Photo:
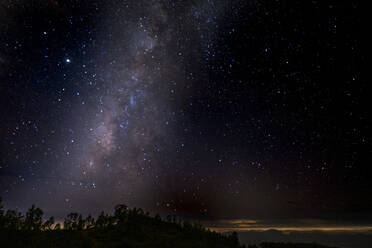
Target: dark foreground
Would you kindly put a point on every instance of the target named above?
(125, 228)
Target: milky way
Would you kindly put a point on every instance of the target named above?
(114, 137)
(126, 123)
(204, 109)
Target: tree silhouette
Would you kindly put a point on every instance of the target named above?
(125, 228)
(104, 221)
(89, 222)
(47, 226)
(121, 214)
(57, 227)
(12, 220)
(33, 220)
(73, 221)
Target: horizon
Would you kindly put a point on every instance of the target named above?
(244, 115)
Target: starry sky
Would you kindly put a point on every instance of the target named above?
(203, 109)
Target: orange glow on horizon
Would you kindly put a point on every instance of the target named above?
(294, 228)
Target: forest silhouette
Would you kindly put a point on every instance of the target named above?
(125, 228)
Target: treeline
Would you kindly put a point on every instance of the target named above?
(126, 227)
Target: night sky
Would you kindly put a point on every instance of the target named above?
(203, 109)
